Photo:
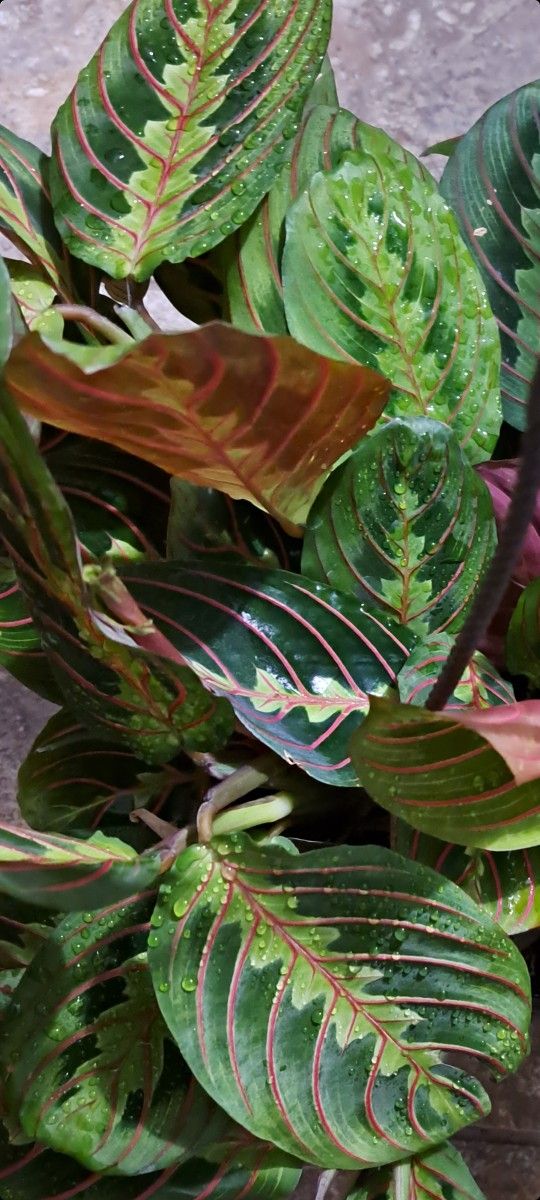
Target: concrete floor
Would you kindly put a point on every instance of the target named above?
(424, 70)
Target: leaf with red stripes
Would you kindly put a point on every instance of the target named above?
(35, 296)
(68, 874)
(26, 216)
(491, 182)
(206, 524)
(405, 523)
(523, 637)
(24, 929)
(442, 1174)
(214, 406)
(122, 686)
(316, 994)
(6, 325)
(249, 1171)
(296, 660)
(90, 1067)
(505, 884)
(472, 779)
(75, 782)
(178, 126)
(480, 686)
(21, 651)
(375, 271)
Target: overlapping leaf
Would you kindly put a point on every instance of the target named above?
(21, 651)
(473, 780)
(67, 874)
(35, 297)
(501, 479)
(375, 271)
(205, 523)
(24, 929)
(441, 1174)
(492, 183)
(72, 781)
(214, 406)
(107, 676)
(505, 884)
(296, 659)
(176, 129)
(480, 686)
(25, 209)
(406, 524)
(254, 1172)
(5, 313)
(315, 993)
(523, 639)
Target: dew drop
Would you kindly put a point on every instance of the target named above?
(189, 983)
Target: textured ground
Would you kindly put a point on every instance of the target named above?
(424, 70)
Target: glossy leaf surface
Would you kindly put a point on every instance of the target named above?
(504, 884)
(35, 296)
(25, 209)
(473, 780)
(491, 182)
(73, 781)
(480, 686)
(316, 992)
(442, 1174)
(90, 1067)
(375, 271)
(406, 524)
(523, 639)
(256, 1173)
(214, 406)
(67, 874)
(176, 129)
(296, 659)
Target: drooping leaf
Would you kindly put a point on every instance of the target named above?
(111, 680)
(296, 659)
(254, 1172)
(501, 479)
(440, 1174)
(316, 993)
(214, 406)
(406, 524)
(491, 183)
(35, 296)
(480, 686)
(74, 782)
(473, 780)
(21, 651)
(504, 884)
(179, 108)
(90, 1067)
(523, 639)
(375, 271)
(25, 209)
(5, 313)
(67, 874)
(205, 523)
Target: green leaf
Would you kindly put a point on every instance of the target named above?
(125, 1101)
(446, 146)
(473, 780)
(204, 523)
(523, 637)
(491, 182)
(375, 271)
(24, 929)
(177, 127)
(504, 884)
(480, 686)
(21, 650)
(212, 405)
(74, 782)
(25, 209)
(441, 1174)
(5, 313)
(35, 296)
(316, 993)
(296, 659)
(66, 874)
(112, 681)
(405, 523)
(255, 1173)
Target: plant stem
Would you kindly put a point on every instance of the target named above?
(255, 812)
(87, 316)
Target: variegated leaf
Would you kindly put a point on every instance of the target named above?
(375, 271)
(35, 296)
(21, 650)
(177, 127)
(26, 216)
(480, 686)
(406, 524)
(441, 1174)
(316, 994)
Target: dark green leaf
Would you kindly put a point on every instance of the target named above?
(480, 686)
(446, 147)
(316, 993)
(21, 651)
(491, 182)
(5, 313)
(441, 1174)
(206, 523)
(472, 779)
(404, 523)
(523, 637)
(176, 129)
(296, 659)
(194, 288)
(504, 884)
(375, 271)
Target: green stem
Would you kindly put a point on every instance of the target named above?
(255, 812)
(84, 315)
